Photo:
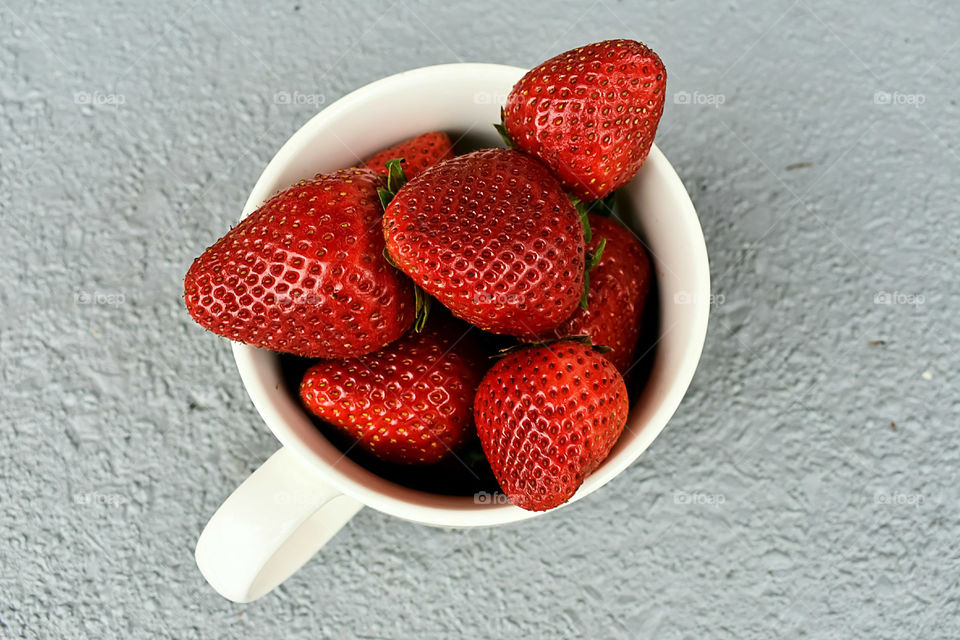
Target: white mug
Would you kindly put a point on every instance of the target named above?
(292, 505)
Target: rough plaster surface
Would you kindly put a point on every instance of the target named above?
(808, 485)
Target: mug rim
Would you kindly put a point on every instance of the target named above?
(436, 509)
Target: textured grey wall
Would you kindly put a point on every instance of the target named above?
(807, 487)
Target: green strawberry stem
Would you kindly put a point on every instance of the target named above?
(593, 259)
(473, 457)
(583, 211)
(587, 340)
(421, 299)
(586, 291)
(582, 339)
(422, 302)
(603, 207)
(396, 178)
(507, 140)
(502, 130)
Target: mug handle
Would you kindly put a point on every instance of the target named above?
(269, 527)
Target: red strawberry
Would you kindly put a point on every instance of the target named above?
(417, 153)
(590, 114)
(619, 285)
(411, 401)
(547, 417)
(305, 273)
(492, 236)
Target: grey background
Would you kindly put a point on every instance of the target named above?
(807, 486)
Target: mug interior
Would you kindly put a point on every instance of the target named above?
(464, 100)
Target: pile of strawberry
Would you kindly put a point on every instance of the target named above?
(344, 268)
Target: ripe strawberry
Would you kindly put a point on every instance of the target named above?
(619, 285)
(492, 236)
(547, 417)
(418, 153)
(305, 273)
(409, 402)
(590, 114)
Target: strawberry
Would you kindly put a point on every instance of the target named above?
(305, 273)
(410, 402)
(418, 153)
(547, 417)
(492, 236)
(619, 285)
(590, 114)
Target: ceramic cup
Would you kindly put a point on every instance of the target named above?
(292, 505)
